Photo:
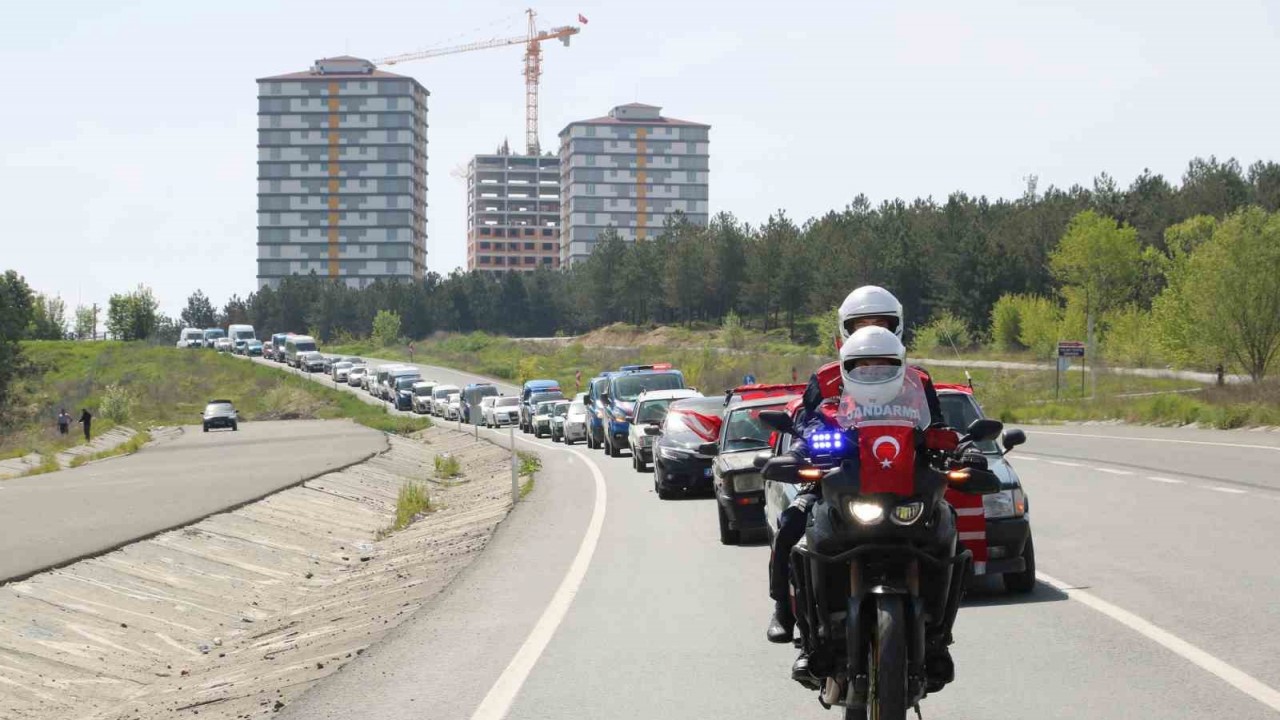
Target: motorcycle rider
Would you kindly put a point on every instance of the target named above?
(865, 307)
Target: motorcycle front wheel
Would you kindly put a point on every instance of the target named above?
(888, 686)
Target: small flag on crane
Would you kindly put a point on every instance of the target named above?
(582, 18)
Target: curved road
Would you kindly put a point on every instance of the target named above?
(53, 519)
(1157, 599)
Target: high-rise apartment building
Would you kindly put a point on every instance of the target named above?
(513, 212)
(630, 170)
(342, 174)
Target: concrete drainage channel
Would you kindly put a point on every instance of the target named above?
(237, 615)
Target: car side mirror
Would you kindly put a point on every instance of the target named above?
(1012, 438)
(652, 430)
(709, 448)
(761, 459)
(777, 420)
(983, 430)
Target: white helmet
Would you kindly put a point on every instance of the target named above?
(870, 300)
(873, 384)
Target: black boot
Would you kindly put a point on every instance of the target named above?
(938, 667)
(800, 673)
(782, 624)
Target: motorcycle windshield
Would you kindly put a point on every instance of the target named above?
(908, 407)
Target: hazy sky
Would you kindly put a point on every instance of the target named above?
(129, 128)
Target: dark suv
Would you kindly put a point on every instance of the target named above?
(220, 414)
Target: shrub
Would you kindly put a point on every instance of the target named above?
(116, 404)
(1130, 337)
(731, 331)
(287, 402)
(411, 501)
(944, 332)
(1006, 324)
(386, 328)
(1040, 321)
(447, 466)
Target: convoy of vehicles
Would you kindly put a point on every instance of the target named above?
(503, 411)
(533, 393)
(440, 399)
(211, 336)
(422, 396)
(619, 400)
(472, 395)
(646, 422)
(191, 338)
(574, 426)
(297, 345)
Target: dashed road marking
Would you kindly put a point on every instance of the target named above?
(1241, 680)
(1169, 481)
(1229, 491)
(1112, 471)
(1064, 463)
(1128, 438)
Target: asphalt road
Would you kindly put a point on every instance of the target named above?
(49, 520)
(1163, 540)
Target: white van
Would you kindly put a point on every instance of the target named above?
(240, 335)
(295, 346)
(191, 337)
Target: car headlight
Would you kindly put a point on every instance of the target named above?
(1004, 504)
(749, 482)
(674, 453)
(867, 513)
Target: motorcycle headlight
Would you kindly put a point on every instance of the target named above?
(907, 513)
(865, 513)
(1004, 504)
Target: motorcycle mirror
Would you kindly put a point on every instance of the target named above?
(777, 420)
(1012, 438)
(782, 469)
(984, 430)
(761, 458)
(974, 481)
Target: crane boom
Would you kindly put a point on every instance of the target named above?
(532, 64)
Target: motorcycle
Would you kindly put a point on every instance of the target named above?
(857, 572)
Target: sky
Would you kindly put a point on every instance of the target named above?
(130, 127)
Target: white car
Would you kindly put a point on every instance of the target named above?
(453, 410)
(191, 337)
(650, 411)
(543, 413)
(223, 344)
(486, 408)
(440, 399)
(355, 376)
(574, 426)
(340, 370)
(422, 397)
(504, 410)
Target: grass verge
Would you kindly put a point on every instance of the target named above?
(48, 464)
(151, 385)
(530, 464)
(447, 467)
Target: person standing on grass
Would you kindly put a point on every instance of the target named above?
(85, 419)
(64, 422)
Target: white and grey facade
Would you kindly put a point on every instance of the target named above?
(513, 212)
(631, 170)
(342, 174)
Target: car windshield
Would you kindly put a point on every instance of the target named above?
(959, 411)
(217, 408)
(359, 370)
(484, 391)
(651, 411)
(684, 424)
(404, 383)
(214, 334)
(507, 402)
(543, 408)
(744, 431)
(560, 409)
(598, 386)
(628, 387)
(453, 397)
(541, 397)
(244, 335)
(304, 346)
(577, 410)
(423, 391)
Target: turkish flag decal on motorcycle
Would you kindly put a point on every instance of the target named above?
(888, 456)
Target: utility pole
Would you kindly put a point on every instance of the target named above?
(94, 334)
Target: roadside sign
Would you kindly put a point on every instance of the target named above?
(748, 379)
(1070, 348)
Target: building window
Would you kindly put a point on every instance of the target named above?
(484, 231)
(548, 246)
(530, 260)
(547, 232)
(499, 260)
(498, 232)
(484, 259)
(528, 246)
(528, 231)
(484, 244)
(546, 261)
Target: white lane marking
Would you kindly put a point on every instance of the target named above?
(1169, 481)
(1229, 491)
(497, 702)
(1113, 472)
(1029, 458)
(1242, 681)
(1064, 463)
(1162, 440)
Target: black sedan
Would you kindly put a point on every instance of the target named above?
(220, 414)
(682, 454)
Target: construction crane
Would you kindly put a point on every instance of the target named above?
(532, 65)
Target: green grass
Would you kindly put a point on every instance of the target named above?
(48, 464)
(1012, 395)
(447, 467)
(530, 464)
(168, 386)
(412, 501)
